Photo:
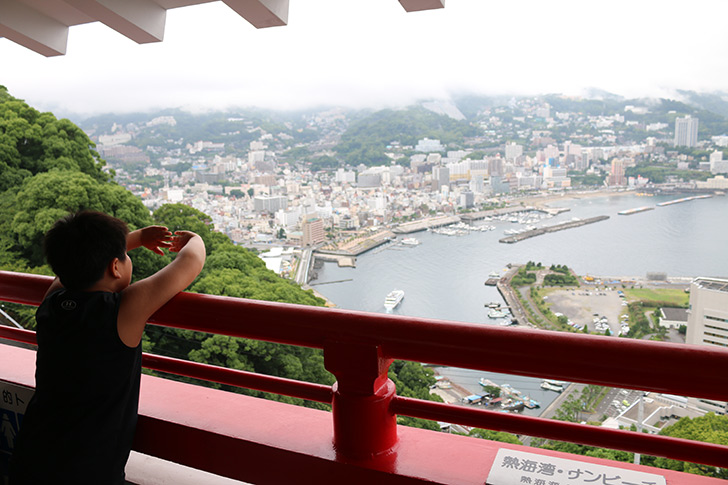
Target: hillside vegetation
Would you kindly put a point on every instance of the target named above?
(48, 167)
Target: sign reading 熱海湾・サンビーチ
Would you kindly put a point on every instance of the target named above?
(513, 467)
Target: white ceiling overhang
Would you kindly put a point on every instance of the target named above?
(42, 25)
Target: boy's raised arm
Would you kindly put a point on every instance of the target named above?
(151, 237)
(141, 299)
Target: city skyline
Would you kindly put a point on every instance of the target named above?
(378, 55)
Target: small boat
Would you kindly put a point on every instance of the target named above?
(496, 314)
(551, 385)
(513, 405)
(393, 299)
(531, 403)
(494, 274)
(493, 304)
(410, 241)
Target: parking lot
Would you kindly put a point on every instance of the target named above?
(582, 305)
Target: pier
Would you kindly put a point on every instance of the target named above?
(684, 199)
(518, 313)
(344, 261)
(424, 224)
(637, 210)
(356, 246)
(544, 230)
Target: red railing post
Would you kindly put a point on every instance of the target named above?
(364, 425)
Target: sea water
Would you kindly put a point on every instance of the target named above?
(443, 277)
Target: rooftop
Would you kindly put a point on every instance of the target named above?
(712, 284)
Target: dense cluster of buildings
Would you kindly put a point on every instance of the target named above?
(262, 194)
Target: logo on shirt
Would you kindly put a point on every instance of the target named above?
(68, 305)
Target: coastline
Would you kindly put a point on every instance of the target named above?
(547, 198)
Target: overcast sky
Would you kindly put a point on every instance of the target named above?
(372, 53)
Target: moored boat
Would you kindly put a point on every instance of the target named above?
(552, 385)
(513, 405)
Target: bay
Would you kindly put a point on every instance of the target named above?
(443, 277)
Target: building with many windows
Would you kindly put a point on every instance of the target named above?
(708, 324)
(708, 313)
(269, 203)
(686, 132)
(313, 231)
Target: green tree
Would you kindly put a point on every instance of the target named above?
(488, 434)
(32, 142)
(45, 197)
(710, 428)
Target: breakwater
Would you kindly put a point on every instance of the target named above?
(545, 230)
(636, 210)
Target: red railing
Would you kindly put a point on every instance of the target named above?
(358, 348)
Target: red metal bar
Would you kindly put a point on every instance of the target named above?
(18, 335)
(239, 378)
(665, 446)
(27, 289)
(634, 364)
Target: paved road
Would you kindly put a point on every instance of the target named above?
(303, 266)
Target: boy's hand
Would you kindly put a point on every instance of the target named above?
(155, 238)
(180, 239)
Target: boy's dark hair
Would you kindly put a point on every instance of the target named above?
(79, 247)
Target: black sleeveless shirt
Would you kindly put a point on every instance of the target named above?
(80, 423)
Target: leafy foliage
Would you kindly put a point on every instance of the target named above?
(710, 428)
(501, 436)
(32, 142)
(523, 277)
(365, 140)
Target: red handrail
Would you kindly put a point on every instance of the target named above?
(358, 348)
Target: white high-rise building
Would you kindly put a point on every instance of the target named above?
(513, 151)
(686, 132)
(440, 177)
(708, 324)
(717, 164)
(427, 145)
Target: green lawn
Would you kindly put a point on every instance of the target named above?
(675, 296)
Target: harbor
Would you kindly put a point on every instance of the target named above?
(497, 392)
(443, 277)
(548, 229)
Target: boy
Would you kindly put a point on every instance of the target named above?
(80, 423)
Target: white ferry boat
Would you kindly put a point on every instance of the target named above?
(410, 241)
(496, 314)
(393, 299)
